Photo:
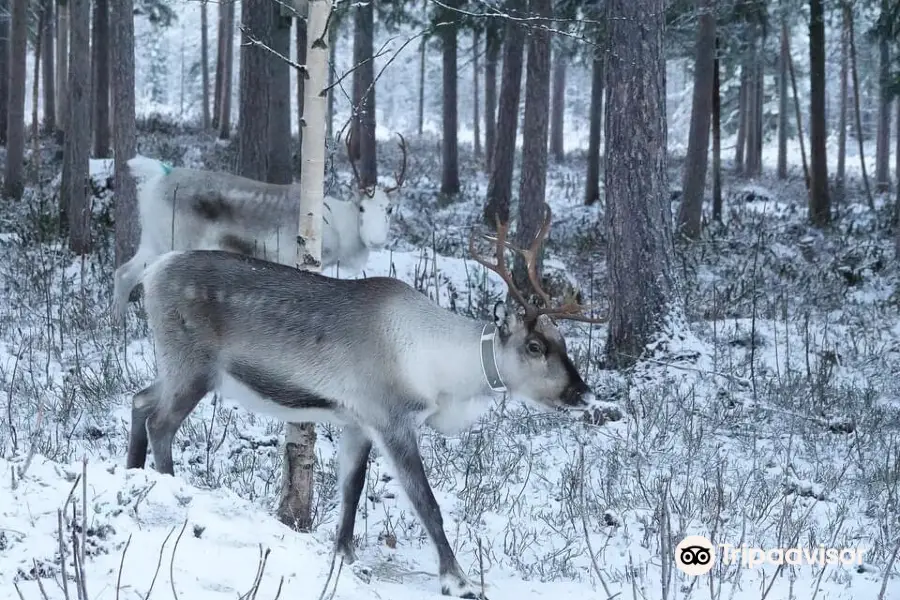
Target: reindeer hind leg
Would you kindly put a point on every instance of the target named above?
(143, 403)
(353, 456)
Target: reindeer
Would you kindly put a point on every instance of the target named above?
(373, 355)
(185, 209)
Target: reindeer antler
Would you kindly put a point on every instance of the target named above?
(402, 176)
(570, 311)
(368, 191)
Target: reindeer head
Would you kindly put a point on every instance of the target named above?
(531, 355)
(376, 204)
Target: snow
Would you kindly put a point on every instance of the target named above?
(768, 416)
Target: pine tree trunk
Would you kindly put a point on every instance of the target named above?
(694, 181)
(743, 101)
(295, 506)
(4, 68)
(49, 70)
(592, 186)
(476, 125)
(500, 184)
(535, 129)
(557, 118)
(449, 110)
(363, 49)
(100, 81)
(783, 101)
(14, 180)
(883, 136)
(62, 68)
(421, 113)
(204, 63)
(491, 55)
(220, 66)
(819, 202)
(717, 139)
(255, 78)
(897, 175)
(128, 229)
(639, 225)
(842, 120)
(751, 166)
(75, 188)
(280, 164)
(227, 73)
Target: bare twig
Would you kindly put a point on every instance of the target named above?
(159, 562)
(887, 571)
(172, 560)
(121, 567)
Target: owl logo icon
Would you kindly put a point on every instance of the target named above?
(694, 555)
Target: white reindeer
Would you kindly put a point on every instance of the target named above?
(374, 355)
(195, 209)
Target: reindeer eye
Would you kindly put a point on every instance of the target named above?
(362, 209)
(535, 348)
(390, 209)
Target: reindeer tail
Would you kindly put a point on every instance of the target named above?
(144, 168)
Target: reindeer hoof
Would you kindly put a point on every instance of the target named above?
(460, 587)
(346, 552)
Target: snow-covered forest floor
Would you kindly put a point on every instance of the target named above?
(770, 419)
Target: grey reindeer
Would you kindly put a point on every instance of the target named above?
(195, 209)
(373, 355)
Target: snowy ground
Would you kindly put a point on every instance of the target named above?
(771, 419)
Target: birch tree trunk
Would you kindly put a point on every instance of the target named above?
(48, 67)
(696, 160)
(819, 201)
(300, 38)
(100, 79)
(14, 180)
(4, 69)
(62, 68)
(504, 154)
(294, 508)
(639, 225)
(124, 135)
(204, 63)
(75, 189)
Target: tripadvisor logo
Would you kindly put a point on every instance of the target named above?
(694, 555)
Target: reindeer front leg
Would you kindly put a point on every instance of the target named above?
(399, 443)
